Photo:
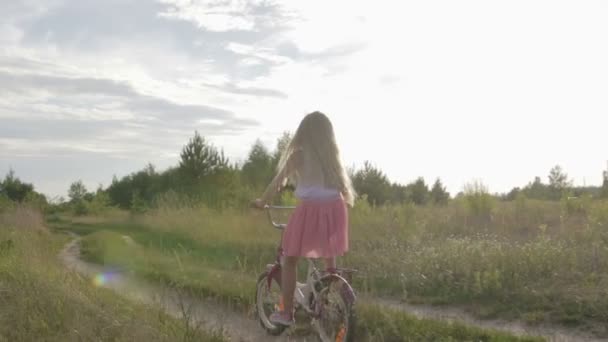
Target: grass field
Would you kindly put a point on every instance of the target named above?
(534, 260)
(41, 301)
(196, 268)
(529, 260)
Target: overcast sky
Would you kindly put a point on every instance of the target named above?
(493, 90)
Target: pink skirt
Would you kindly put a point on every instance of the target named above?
(317, 229)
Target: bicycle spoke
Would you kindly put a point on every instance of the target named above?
(334, 316)
(268, 301)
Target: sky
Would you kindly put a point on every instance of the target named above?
(498, 91)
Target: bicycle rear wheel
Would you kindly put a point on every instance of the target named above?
(267, 301)
(336, 321)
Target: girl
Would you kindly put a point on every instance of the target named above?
(318, 228)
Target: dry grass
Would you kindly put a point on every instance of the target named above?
(41, 301)
(23, 218)
(532, 260)
(503, 258)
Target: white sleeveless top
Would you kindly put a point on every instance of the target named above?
(310, 183)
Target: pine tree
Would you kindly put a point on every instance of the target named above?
(439, 195)
(13, 188)
(258, 169)
(200, 159)
(77, 191)
(371, 181)
(604, 190)
(419, 191)
(558, 182)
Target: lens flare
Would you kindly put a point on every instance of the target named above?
(102, 279)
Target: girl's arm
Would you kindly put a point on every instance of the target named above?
(277, 182)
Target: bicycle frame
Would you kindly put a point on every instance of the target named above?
(305, 293)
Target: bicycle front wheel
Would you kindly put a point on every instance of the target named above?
(336, 321)
(267, 301)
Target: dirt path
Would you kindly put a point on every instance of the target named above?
(205, 313)
(242, 327)
(451, 314)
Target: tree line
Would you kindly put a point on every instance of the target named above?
(205, 175)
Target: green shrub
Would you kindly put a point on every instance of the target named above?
(478, 199)
(5, 202)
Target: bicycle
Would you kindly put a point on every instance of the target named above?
(326, 297)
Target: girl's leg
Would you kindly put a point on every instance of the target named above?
(288, 282)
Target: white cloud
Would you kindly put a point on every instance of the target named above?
(9, 34)
(441, 88)
(260, 53)
(215, 16)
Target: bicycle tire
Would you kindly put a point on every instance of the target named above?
(346, 296)
(261, 312)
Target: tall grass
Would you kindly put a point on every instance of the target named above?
(41, 301)
(234, 285)
(23, 218)
(528, 259)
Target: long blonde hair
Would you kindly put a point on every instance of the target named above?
(316, 134)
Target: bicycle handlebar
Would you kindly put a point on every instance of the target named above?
(268, 208)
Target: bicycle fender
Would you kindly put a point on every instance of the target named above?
(274, 273)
